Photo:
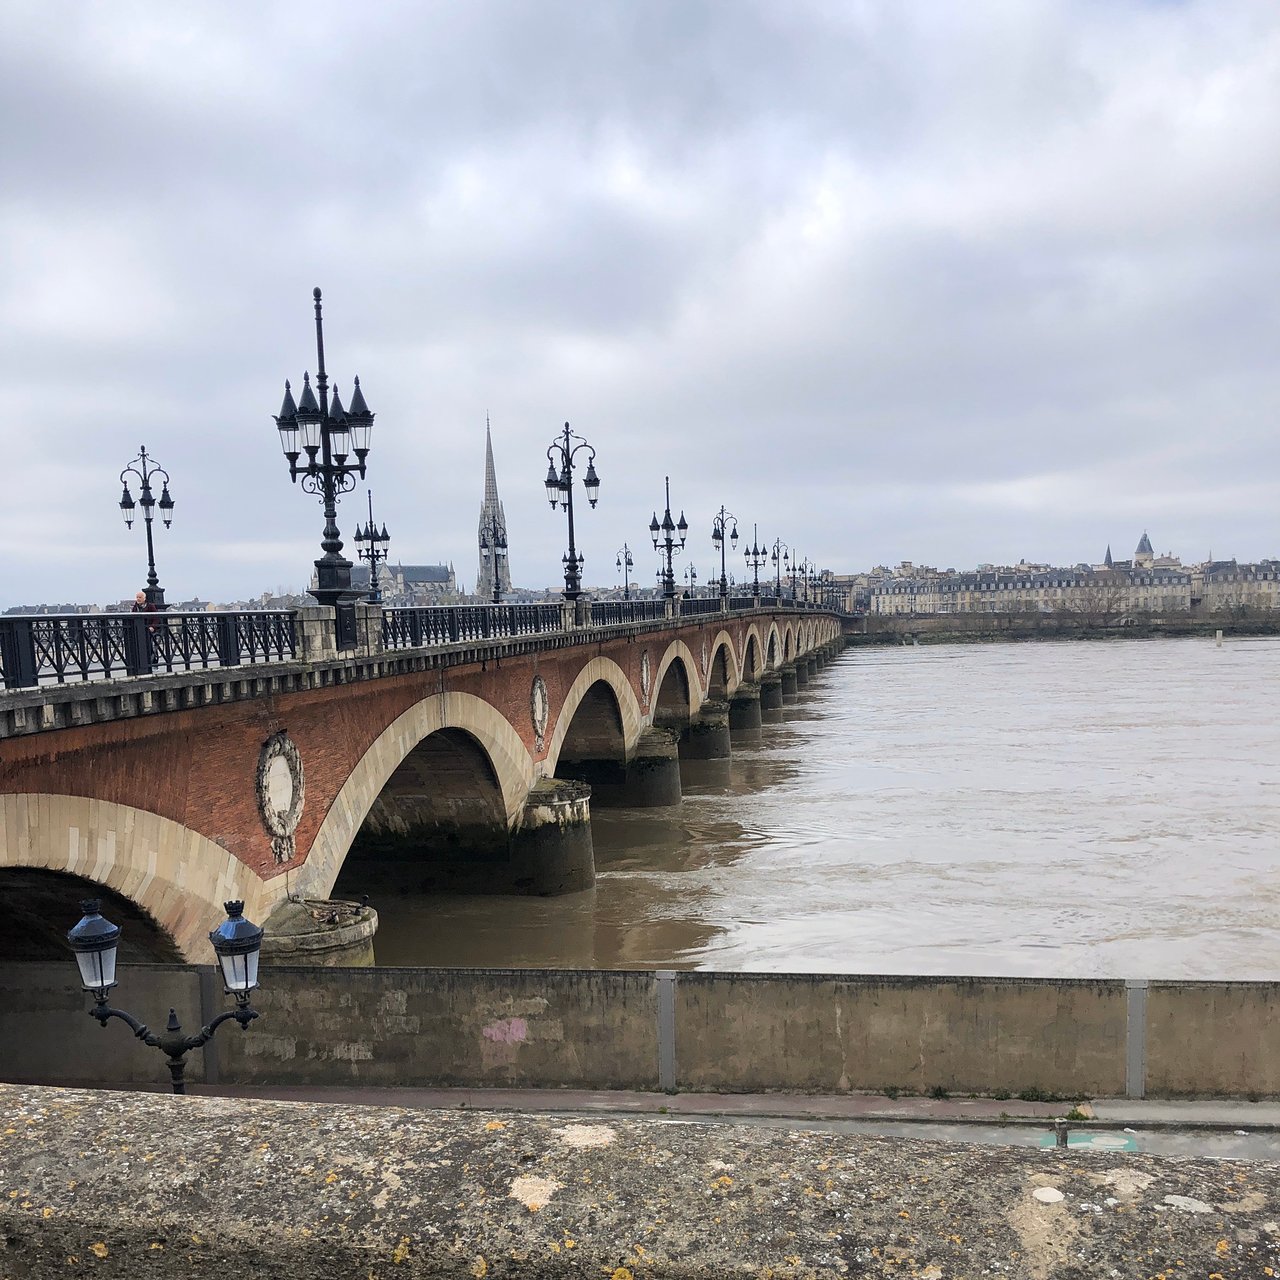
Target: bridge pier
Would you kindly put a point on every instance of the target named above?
(771, 691)
(745, 707)
(551, 850)
(707, 736)
(649, 778)
(802, 673)
(787, 674)
(408, 844)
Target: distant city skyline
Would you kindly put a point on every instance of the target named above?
(949, 283)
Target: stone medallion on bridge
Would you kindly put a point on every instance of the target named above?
(539, 710)
(706, 660)
(646, 679)
(281, 792)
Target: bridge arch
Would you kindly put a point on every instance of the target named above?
(751, 653)
(677, 691)
(724, 672)
(470, 725)
(773, 649)
(176, 876)
(598, 671)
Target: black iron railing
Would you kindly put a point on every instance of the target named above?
(606, 612)
(43, 649)
(706, 605)
(741, 602)
(434, 625)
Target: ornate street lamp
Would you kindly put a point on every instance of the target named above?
(559, 484)
(371, 545)
(493, 549)
(236, 942)
(691, 581)
(144, 468)
(779, 558)
(330, 436)
(719, 529)
(666, 544)
(626, 564)
(806, 575)
(756, 555)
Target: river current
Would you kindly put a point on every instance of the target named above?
(1039, 809)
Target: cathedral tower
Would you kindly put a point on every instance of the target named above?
(493, 524)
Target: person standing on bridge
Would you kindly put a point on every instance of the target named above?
(142, 605)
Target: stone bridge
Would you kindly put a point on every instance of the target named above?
(468, 766)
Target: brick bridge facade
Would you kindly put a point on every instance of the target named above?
(469, 767)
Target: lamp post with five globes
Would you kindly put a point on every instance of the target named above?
(756, 555)
(329, 436)
(666, 545)
(371, 545)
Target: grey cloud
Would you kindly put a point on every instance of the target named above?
(950, 283)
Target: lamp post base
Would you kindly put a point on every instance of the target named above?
(333, 582)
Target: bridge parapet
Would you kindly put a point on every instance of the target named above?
(45, 649)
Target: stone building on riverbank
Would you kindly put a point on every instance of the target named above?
(1104, 593)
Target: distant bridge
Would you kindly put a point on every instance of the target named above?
(178, 761)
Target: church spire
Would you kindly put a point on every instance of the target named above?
(490, 475)
(492, 530)
(1108, 561)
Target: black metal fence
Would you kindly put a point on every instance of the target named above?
(689, 607)
(453, 624)
(43, 649)
(48, 649)
(605, 612)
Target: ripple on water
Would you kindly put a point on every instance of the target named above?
(1106, 809)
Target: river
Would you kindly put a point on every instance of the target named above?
(1039, 809)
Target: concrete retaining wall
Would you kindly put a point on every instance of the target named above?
(746, 1032)
(641, 1030)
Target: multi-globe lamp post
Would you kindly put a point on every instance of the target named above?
(664, 542)
(237, 943)
(691, 581)
(559, 483)
(626, 562)
(756, 557)
(144, 468)
(720, 534)
(780, 563)
(336, 443)
(809, 576)
(493, 550)
(371, 545)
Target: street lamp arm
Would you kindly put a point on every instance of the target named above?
(104, 1013)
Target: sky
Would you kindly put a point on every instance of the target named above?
(888, 279)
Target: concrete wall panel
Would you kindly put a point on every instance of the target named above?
(1213, 1038)
(750, 1032)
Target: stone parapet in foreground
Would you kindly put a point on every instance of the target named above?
(126, 1185)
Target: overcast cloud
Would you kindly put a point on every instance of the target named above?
(951, 283)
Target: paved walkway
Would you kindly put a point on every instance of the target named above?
(1103, 1112)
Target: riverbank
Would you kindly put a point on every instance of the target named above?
(981, 628)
